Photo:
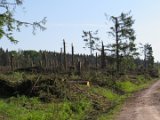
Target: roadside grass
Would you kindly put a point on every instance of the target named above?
(109, 94)
(129, 88)
(126, 86)
(111, 114)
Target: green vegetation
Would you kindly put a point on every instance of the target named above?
(127, 86)
(110, 95)
(8, 20)
(23, 108)
(44, 85)
(100, 101)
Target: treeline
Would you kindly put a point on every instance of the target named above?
(47, 61)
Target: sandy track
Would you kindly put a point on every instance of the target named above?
(144, 105)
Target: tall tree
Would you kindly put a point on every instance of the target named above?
(64, 55)
(90, 40)
(124, 36)
(72, 56)
(148, 57)
(8, 24)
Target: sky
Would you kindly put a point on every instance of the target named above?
(66, 19)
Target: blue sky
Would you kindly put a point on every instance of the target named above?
(67, 18)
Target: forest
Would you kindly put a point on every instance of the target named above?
(54, 62)
(95, 84)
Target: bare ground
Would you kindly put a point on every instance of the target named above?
(144, 105)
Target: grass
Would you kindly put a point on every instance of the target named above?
(127, 86)
(129, 89)
(109, 94)
(23, 108)
(111, 114)
(115, 99)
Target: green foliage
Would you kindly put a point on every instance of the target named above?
(127, 64)
(111, 114)
(110, 95)
(101, 99)
(23, 108)
(149, 59)
(90, 40)
(124, 36)
(19, 110)
(74, 110)
(8, 24)
(126, 86)
(140, 79)
(129, 86)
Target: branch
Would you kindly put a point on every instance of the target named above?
(34, 24)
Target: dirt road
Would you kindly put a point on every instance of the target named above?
(144, 105)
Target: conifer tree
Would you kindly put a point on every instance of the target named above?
(7, 20)
(124, 36)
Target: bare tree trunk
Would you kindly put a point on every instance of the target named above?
(103, 63)
(65, 61)
(96, 62)
(117, 47)
(72, 56)
(79, 67)
(12, 62)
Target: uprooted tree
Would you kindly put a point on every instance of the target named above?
(8, 23)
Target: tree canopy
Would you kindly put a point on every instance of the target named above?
(9, 24)
(124, 36)
(91, 40)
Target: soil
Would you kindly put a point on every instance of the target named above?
(144, 105)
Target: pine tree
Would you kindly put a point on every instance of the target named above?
(124, 37)
(8, 24)
(148, 59)
(90, 40)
